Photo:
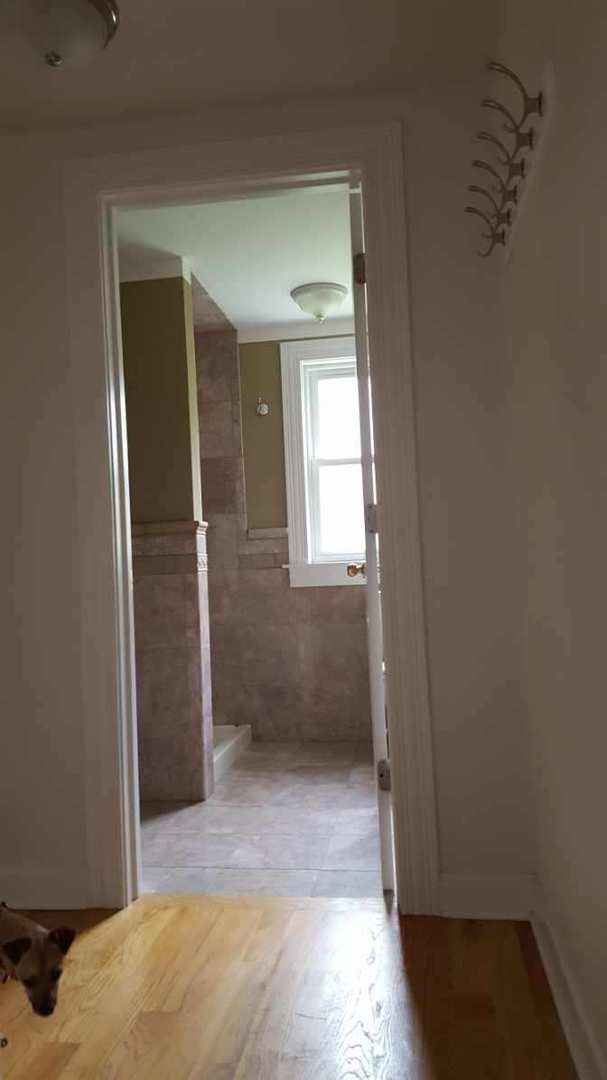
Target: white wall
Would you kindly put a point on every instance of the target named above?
(554, 295)
(479, 735)
(41, 793)
(483, 784)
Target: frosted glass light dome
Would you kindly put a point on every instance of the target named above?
(66, 32)
(319, 298)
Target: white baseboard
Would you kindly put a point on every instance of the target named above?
(587, 1055)
(468, 896)
(42, 889)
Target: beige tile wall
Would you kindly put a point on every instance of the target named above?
(290, 662)
(173, 663)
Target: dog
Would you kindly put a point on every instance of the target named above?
(34, 957)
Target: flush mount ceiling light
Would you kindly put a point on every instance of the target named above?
(66, 32)
(319, 298)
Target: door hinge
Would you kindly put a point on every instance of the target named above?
(360, 269)
(384, 780)
(371, 517)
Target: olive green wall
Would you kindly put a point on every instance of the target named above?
(162, 414)
(262, 436)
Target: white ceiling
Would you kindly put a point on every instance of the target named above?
(189, 53)
(249, 253)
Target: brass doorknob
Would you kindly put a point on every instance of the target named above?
(352, 569)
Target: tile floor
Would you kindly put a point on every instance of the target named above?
(288, 819)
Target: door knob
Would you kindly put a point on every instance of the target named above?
(353, 569)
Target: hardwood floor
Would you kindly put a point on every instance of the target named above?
(285, 989)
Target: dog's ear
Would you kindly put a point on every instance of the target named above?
(16, 949)
(62, 937)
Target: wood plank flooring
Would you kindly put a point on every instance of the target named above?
(285, 989)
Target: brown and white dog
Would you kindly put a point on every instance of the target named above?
(34, 957)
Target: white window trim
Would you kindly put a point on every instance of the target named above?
(293, 355)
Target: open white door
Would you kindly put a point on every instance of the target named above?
(372, 566)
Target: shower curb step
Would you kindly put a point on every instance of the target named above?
(229, 742)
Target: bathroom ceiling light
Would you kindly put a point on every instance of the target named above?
(66, 32)
(319, 298)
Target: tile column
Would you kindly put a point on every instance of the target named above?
(173, 663)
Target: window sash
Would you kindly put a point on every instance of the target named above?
(312, 374)
(317, 555)
(302, 361)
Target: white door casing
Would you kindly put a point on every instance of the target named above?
(375, 638)
(93, 188)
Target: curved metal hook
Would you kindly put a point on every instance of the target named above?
(512, 126)
(488, 136)
(509, 194)
(480, 214)
(494, 236)
(487, 194)
(495, 239)
(502, 217)
(531, 105)
(516, 169)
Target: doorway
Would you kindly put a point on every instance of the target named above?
(188, 173)
(275, 619)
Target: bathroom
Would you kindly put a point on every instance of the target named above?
(256, 764)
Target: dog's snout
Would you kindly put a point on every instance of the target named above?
(45, 1008)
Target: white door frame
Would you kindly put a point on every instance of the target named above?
(93, 189)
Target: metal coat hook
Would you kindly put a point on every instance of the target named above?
(508, 194)
(531, 105)
(515, 170)
(495, 235)
(485, 218)
(501, 216)
(496, 239)
(511, 163)
(508, 158)
(512, 126)
(523, 140)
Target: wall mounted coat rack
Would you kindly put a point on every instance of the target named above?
(511, 154)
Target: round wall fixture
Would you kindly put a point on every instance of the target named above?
(66, 32)
(319, 298)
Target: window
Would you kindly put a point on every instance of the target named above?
(323, 461)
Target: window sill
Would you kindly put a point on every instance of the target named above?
(308, 575)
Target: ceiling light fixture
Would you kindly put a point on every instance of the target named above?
(319, 298)
(66, 32)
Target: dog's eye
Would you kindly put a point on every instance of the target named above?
(56, 974)
(29, 983)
